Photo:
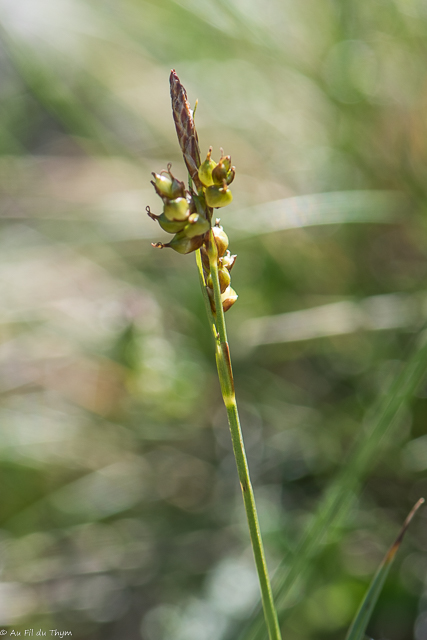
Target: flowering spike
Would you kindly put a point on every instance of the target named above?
(188, 214)
(185, 128)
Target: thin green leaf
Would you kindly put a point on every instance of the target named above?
(358, 627)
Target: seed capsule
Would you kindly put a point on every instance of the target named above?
(228, 298)
(197, 225)
(231, 175)
(183, 244)
(177, 209)
(205, 170)
(171, 226)
(167, 186)
(221, 240)
(217, 196)
(220, 172)
(224, 280)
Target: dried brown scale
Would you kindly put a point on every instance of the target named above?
(185, 128)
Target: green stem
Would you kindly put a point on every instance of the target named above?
(227, 388)
(205, 293)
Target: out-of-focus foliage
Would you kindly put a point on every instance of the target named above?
(357, 630)
(120, 514)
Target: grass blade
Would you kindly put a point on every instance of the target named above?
(361, 620)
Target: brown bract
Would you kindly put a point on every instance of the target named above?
(185, 127)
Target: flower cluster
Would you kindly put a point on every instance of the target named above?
(225, 264)
(188, 213)
(188, 216)
(215, 179)
(184, 213)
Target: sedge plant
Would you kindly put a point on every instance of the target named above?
(188, 214)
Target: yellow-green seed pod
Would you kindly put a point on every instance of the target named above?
(221, 240)
(183, 244)
(177, 209)
(228, 298)
(205, 170)
(220, 172)
(231, 175)
(171, 226)
(167, 186)
(196, 226)
(217, 196)
(224, 279)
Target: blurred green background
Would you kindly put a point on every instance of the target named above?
(121, 513)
